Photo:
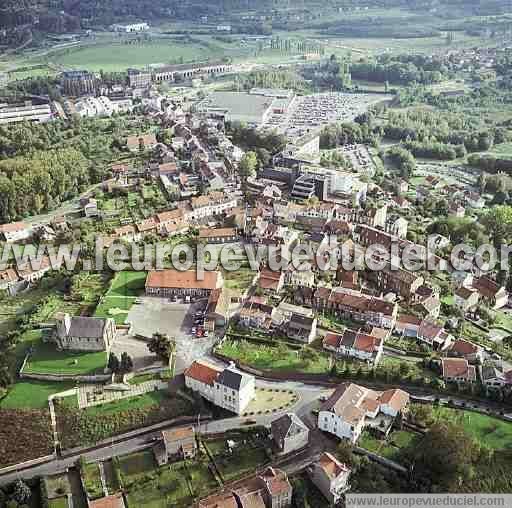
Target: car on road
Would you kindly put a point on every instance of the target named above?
(194, 329)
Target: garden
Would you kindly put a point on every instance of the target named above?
(87, 426)
(279, 357)
(249, 453)
(176, 484)
(389, 447)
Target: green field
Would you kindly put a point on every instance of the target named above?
(32, 394)
(46, 359)
(489, 431)
(118, 56)
(118, 300)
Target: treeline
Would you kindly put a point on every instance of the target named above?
(31, 185)
(332, 73)
(335, 135)
(401, 70)
(251, 139)
(435, 127)
(273, 79)
(435, 150)
(403, 159)
(490, 163)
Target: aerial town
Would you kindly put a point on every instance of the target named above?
(271, 272)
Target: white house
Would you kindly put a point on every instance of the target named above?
(330, 476)
(15, 231)
(229, 388)
(208, 205)
(352, 407)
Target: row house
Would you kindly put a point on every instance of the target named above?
(494, 378)
(166, 283)
(256, 314)
(399, 281)
(461, 348)
(362, 308)
(270, 489)
(355, 344)
(211, 204)
(218, 235)
(434, 335)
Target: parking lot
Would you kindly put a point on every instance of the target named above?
(153, 314)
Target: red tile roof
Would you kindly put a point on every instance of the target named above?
(181, 280)
(203, 372)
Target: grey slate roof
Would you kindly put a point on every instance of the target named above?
(288, 424)
(232, 379)
(87, 327)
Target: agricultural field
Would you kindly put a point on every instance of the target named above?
(22, 426)
(118, 300)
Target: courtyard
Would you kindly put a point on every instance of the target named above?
(271, 400)
(154, 314)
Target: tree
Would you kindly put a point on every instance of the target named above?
(21, 492)
(126, 363)
(162, 345)
(247, 167)
(113, 363)
(443, 460)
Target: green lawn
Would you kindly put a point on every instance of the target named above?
(32, 394)
(489, 431)
(120, 297)
(245, 457)
(46, 359)
(127, 284)
(279, 357)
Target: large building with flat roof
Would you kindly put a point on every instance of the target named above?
(26, 112)
(237, 106)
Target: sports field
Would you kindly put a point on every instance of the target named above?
(118, 56)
